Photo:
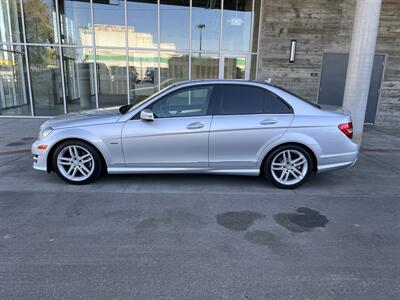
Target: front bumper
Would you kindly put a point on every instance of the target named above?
(39, 156)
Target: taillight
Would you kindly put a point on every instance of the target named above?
(347, 129)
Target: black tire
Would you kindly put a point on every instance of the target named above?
(268, 169)
(98, 162)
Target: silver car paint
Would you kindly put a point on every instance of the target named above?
(223, 144)
(236, 141)
(167, 142)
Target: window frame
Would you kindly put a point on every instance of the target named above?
(217, 105)
(291, 111)
(210, 107)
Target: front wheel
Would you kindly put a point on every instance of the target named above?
(77, 162)
(288, 167)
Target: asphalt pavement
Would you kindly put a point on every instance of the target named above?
(199, 236)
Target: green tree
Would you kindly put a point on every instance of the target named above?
(38, 21)
(39, 29)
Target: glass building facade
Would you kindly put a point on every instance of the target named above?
(60, 56)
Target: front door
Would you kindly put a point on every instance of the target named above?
(333, 80)
(233, 67)
(178, 136)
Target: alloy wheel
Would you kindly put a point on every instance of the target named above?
(75, 163)
(289, 167)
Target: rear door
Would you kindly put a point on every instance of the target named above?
(247, 118)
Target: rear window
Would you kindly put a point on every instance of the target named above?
(297, 96)
(274, 105)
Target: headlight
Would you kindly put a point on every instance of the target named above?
(45, 132)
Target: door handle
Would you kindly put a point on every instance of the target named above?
(269, 121)
(195, 125)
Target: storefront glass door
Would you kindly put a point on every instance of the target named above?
(233, 67)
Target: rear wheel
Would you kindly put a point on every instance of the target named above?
(288, 166)
(77, 162)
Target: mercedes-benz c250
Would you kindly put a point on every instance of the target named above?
(209, 126)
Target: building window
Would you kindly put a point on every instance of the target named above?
(75, 22)
(206, 24)
(205, 66)
(111, 77)
(45, 80)
(79, 79)
(174, 24)
(174, 67)
(109, 23)
(236, 26)
(14, 98)
(59, 56)
(143, 75)
(10, 22)
(40, 21)
(142, 24)
(234, 67)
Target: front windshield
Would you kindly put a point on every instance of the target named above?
(137, 104)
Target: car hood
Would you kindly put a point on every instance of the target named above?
(84, 118)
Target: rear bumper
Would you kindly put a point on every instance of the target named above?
(337, 166)
(337, 162)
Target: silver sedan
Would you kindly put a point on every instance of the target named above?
(212, 126)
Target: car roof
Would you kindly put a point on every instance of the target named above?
(301, 107)
(219, 81)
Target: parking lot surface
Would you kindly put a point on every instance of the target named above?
(199, 236)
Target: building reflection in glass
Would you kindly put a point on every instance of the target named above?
(40, 21)
(75, 16)
(205, 66)
(206, 23)
(174, 24)
(130, 50)
(111, 75)
(46, 80)
(236, 26)
(14, 98)
(79, 79)
(142, 17)
(174, 67)
(234, 67)
(143, 75)
(109, 16)
(10, 24)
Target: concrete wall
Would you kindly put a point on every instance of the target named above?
(389, 44)
(324, 26)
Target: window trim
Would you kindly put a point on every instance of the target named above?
(283, 101)
(210, 107)
(217, 108)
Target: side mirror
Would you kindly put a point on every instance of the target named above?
(147, 114)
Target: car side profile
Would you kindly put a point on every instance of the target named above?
(209, 126)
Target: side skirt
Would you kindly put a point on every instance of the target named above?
(169, 170)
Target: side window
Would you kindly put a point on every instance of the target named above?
(274, 105)
(186, 103)
(241, 100)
